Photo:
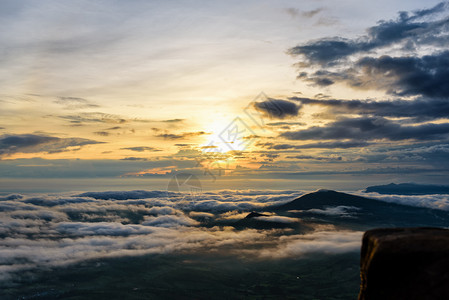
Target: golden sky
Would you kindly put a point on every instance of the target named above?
(259, 88)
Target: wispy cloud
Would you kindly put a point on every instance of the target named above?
(33, 143)
(75, 103)
(330, 242)
(142, 149)
(184, 135)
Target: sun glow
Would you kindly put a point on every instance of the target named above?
(227, 136)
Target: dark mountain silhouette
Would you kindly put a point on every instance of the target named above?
(344, 209)
(325, 198)
(408, 189)
(255, 214)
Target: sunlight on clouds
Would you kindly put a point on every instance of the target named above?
(166, 94)
(227, 134)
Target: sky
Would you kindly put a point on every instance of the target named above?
(266, 94)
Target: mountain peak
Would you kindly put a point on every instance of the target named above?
(324, 191)
(254, 215)
(324, 197)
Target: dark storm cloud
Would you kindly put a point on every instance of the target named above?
(29, 143)
(427, 75)
(402, 76)
(418, 109)
(326, 50)
(406, 74)
(275, 108)
(369, 128)
(406, 27)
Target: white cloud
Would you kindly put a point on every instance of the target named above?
(164, 210)
(195, 214)
(330, 242)
(53, 230)
(343, 211)
(100, 229)
(169, 221)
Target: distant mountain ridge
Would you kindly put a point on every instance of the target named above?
(341, 208)
(408, 189)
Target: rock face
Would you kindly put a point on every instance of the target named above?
(405, 263)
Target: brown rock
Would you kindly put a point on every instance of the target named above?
(405, 263)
